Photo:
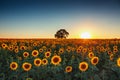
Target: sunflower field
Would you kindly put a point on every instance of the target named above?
(59, 59)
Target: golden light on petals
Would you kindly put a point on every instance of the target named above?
(55, 60)
(95, 60)
(68, 69)
(118, 62)
(47, 54)
(91, 54)
(25, 54)
(44, 61)
(13, 66)
(35, 53)
(83, 66)
(26, 66)
(37, 62)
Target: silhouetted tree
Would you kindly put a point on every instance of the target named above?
(62, 33)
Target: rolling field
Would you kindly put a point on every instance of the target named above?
(59, 59)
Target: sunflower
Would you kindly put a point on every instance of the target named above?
(83, 66)
(34, 44)
(44, 61)
(44, 47)
(16, 50)
(68, 49)
(10, 48)
(37, 62)
(25, 54)
(4, 45)
(91, 54)
(115, 50)
(109, 52)
(118, 62)
(47, 54)
(68, 69)
(80, 47)
(111, 56)
(26, 66)
(61, 50)
(95, 60)
(115, 47)
(22, 47)
(84, 50)
(49, 50)
(56, 60)
(78, 50)
(15, 47)
(41, 50)
(35, 53)
(13, 66)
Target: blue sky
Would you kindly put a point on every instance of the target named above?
(41, 19)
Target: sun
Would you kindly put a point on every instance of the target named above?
(85, 35)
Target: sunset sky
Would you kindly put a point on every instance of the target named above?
(41, 18)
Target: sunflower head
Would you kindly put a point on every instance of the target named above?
(61, 50)
(44, 61)
(68, 69)
(83, 66)
(26, 66)
(115, 50)
(91, 54)
(68, 49)
(35, 53)
(49, 50)
(47, 54)
(118, 62)
(41, 50)
(37, 62)
(78, 50)
(13, 66)
(111, 56)
(25, 54)
(109, 52)
(10, 48)
(56, 60)
(84, 50)
(95, 60)
(16, 50)
(115, 47)
(4, 45)
(22, 47)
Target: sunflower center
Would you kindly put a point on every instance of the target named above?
(44, 61)
(61, 51)
(13, 65)
(23, 48)
(37, 62)
(68, 68)
(91, 55)
(56, 60)
(83, 66)
(47, 54)
(25, 54)
(95, 60)
(35, 53)
(27, 66)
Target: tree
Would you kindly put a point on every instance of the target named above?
(62, 33)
